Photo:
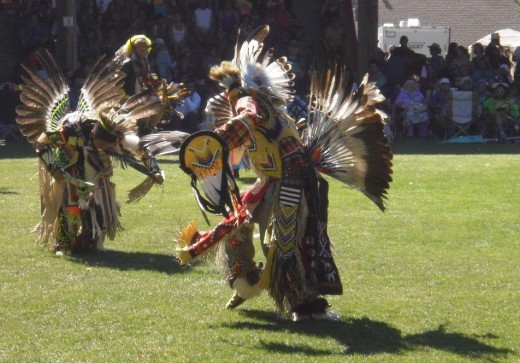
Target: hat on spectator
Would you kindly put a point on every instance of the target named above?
(465, 79)
(495, 85)
(495, 36)
(135, 40)
(435, 46)
(444, 80)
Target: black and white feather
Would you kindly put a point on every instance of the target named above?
(345, 134)
(259, 71)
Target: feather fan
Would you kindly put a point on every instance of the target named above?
(45, 101)
(165, 142)
(345, 132)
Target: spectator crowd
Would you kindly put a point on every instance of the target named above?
(188, 36)
(422, 91)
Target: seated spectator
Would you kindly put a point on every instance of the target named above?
(440, 107)
(503, 75)
(481, 95)
(465, 84)
(375, 75)
(461, 65)
(482, 72)
(415, 111)
(481, 88)
(499, 110)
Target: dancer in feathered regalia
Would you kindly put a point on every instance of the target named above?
(77, 150)
(342, 137)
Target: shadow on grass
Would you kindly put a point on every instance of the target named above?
(125, 261)
(7, 191)
(368, 337)
(438, 147)
(172, 160)
(247, 180)
(18, 150)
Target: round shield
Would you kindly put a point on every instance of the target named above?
(202, 153)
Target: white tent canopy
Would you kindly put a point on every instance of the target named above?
(508, 38)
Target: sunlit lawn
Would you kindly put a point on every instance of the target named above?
(434, 279)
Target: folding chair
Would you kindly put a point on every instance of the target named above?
(510, 128)
(463, 114)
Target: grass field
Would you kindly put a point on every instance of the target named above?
(434, 279)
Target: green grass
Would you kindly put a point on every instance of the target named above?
(433, 279)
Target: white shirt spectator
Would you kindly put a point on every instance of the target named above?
(203, 18)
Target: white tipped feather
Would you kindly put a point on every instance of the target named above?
(131, 142)
(259, 71)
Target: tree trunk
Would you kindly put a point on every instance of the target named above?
(367, 30)
(66, 42)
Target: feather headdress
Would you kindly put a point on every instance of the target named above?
(255, 70)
